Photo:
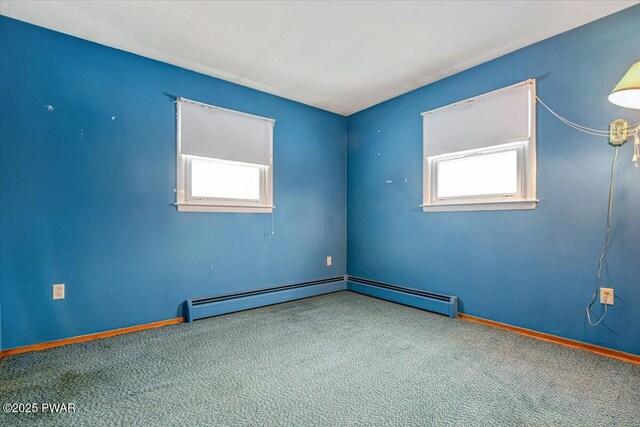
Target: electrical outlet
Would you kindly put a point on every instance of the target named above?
(606, 296)
(58, 291)
(328, 261)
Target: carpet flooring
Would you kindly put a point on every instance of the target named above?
(335, 360)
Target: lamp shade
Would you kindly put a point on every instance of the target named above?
(627, 91)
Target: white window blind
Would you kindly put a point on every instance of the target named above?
(208, 131)
(494, 118)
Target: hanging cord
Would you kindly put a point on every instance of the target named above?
(636, 148)
(605, 247)
(633, 130)
(595, 132)
(273, 223)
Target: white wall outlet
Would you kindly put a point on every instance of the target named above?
(58, 291)
(606, 296)
(328, 261)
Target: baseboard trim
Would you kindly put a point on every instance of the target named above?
(89, 337)
(602, 351)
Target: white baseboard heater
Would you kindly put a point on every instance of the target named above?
(430, 301)
(229, 303)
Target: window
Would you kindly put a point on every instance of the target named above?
(479, 154)
(216, 179)
(491, 172)
(224, 160)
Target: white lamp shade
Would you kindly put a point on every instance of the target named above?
(627, 91)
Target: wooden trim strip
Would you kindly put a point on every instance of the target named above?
(89, 337)
(602, 351)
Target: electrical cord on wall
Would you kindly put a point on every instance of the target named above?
(605, 246)
(595, 132)
(633, 131)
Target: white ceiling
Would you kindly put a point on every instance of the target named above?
(338, 56)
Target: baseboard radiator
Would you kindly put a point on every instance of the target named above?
(229, 303)
(430, 301)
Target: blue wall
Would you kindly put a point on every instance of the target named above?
(535, 269)
(86, 200)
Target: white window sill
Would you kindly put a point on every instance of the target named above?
(184, 207)
(481, 206)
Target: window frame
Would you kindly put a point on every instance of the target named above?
(434, 162)
(224, 201)
(186, 203)
(524, 199)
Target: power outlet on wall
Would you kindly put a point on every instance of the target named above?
(328, 261)
(606, 296)
(58, 291)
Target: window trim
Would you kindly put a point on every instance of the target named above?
(225, 201)
(527, 175)
(434, 162)
(184, 201)
(511, 201)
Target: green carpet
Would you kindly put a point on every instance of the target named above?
(334, 360)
